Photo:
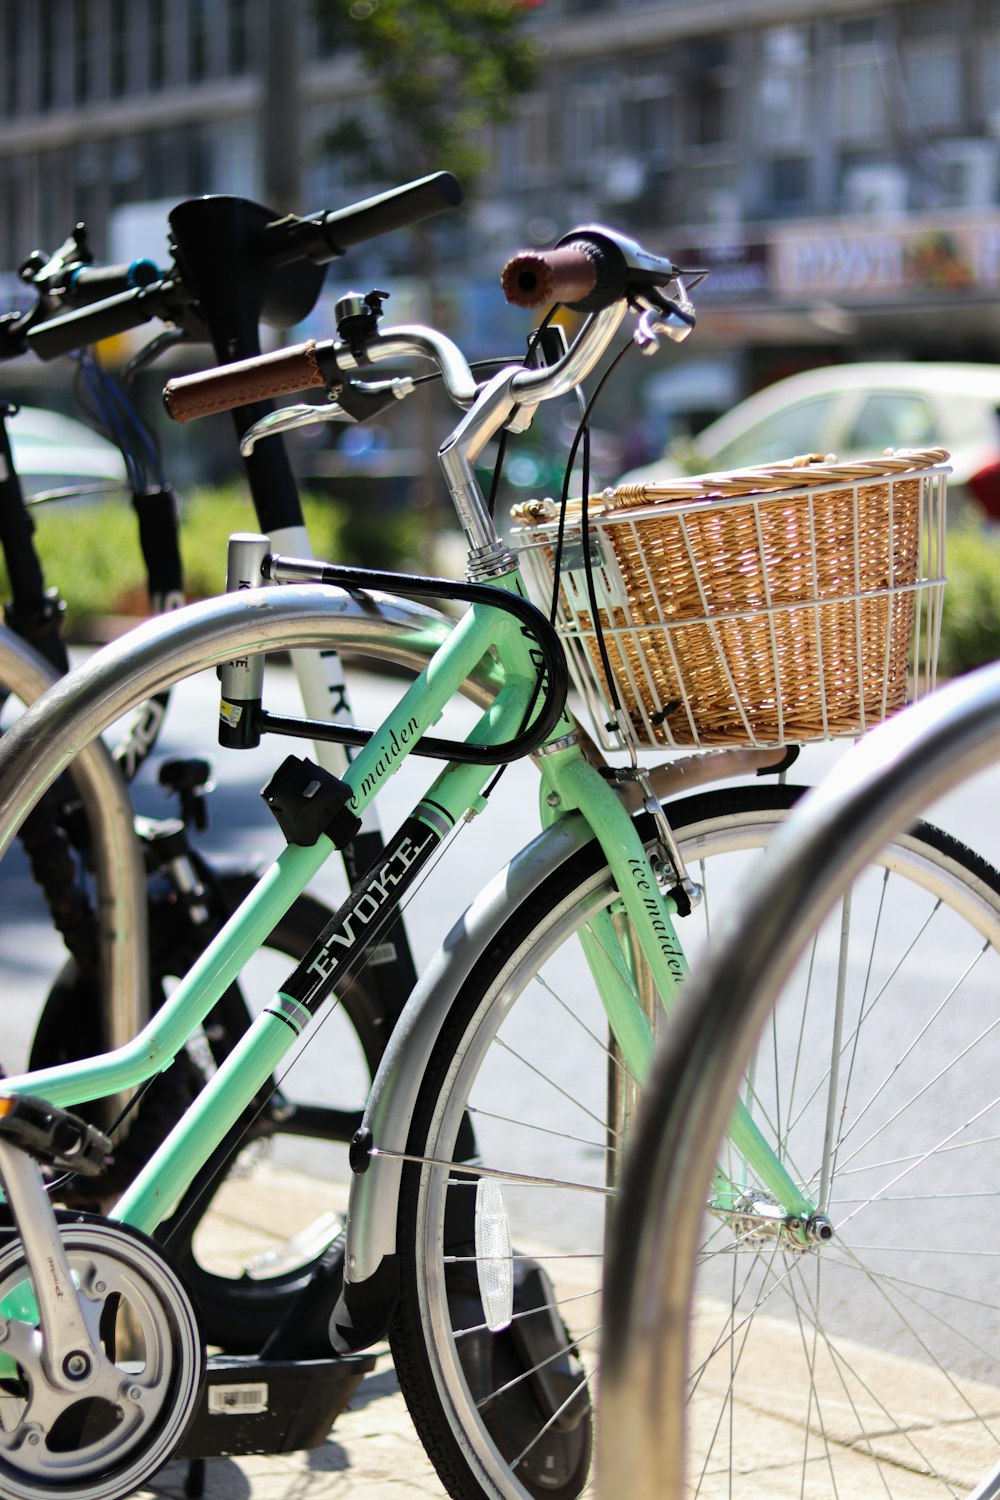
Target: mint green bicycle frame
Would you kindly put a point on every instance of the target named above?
(569, 784)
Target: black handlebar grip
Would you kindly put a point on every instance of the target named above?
(88, 325)
(396, 209)
(95, 283)
(323, 237)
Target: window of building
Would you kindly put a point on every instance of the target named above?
(89, 184)
(157, 43)
(11, 252)
(931, 60)
(197, 158)
(54, 197)
(989, 78)
(523, 146)
(85, 44)
(649, 117)
(860, 112)
(593, 118)
(199, 39)
(328, 30)
(126, 178)
(785, 88)
(119, 41)
(789, 183)
(11, 56)
(48, 86)
(237, 161)
(707, 116)
(161, 165)
(708, 100)
(238, 36)
(986, 65)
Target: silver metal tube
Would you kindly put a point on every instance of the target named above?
(121, 878)
(508, 390)
(529, 387)
(410, 339)
(892, 775)
(243, 677)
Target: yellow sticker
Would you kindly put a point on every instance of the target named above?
(232, 713)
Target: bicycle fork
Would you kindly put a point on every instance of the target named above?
(638, 964)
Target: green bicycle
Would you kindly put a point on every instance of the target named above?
(488, 1160)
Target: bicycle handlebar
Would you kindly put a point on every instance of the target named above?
(86, 284)
(589, 269)
(318, 238)
(244, 382)
(601, 269)
(534, 278)
(108, 316)
(326, 236)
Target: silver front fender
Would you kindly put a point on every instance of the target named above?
(374, 1198)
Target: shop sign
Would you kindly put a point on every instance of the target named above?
(736, 272)
(837, 258)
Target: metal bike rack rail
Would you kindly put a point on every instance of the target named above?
(121, 877)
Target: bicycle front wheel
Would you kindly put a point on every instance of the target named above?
(802, 1344)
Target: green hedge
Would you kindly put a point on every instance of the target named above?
(90, 552)
(970, 635)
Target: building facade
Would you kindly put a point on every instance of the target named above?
(835, 164)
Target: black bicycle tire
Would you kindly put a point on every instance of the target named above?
(409, 1334)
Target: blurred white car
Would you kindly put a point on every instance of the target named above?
(859, 410)
(56, 452)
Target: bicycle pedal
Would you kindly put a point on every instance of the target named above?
(52, 1136)
(253, 1405)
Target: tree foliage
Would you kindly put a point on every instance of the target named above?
(441, 71)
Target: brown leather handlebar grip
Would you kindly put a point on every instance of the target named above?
(534, 278)
(244, 381)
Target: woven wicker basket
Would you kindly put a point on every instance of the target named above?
(763, 606)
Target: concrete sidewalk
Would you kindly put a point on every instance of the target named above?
(374, 1452)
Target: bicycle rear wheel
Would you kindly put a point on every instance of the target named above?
(509, 1413)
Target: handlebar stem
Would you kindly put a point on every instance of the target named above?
(530, 387)
(457, 455)
(510, 389)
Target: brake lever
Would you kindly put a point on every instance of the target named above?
(286, 419)
(673, 317)
(152, 351)
(353, 401)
